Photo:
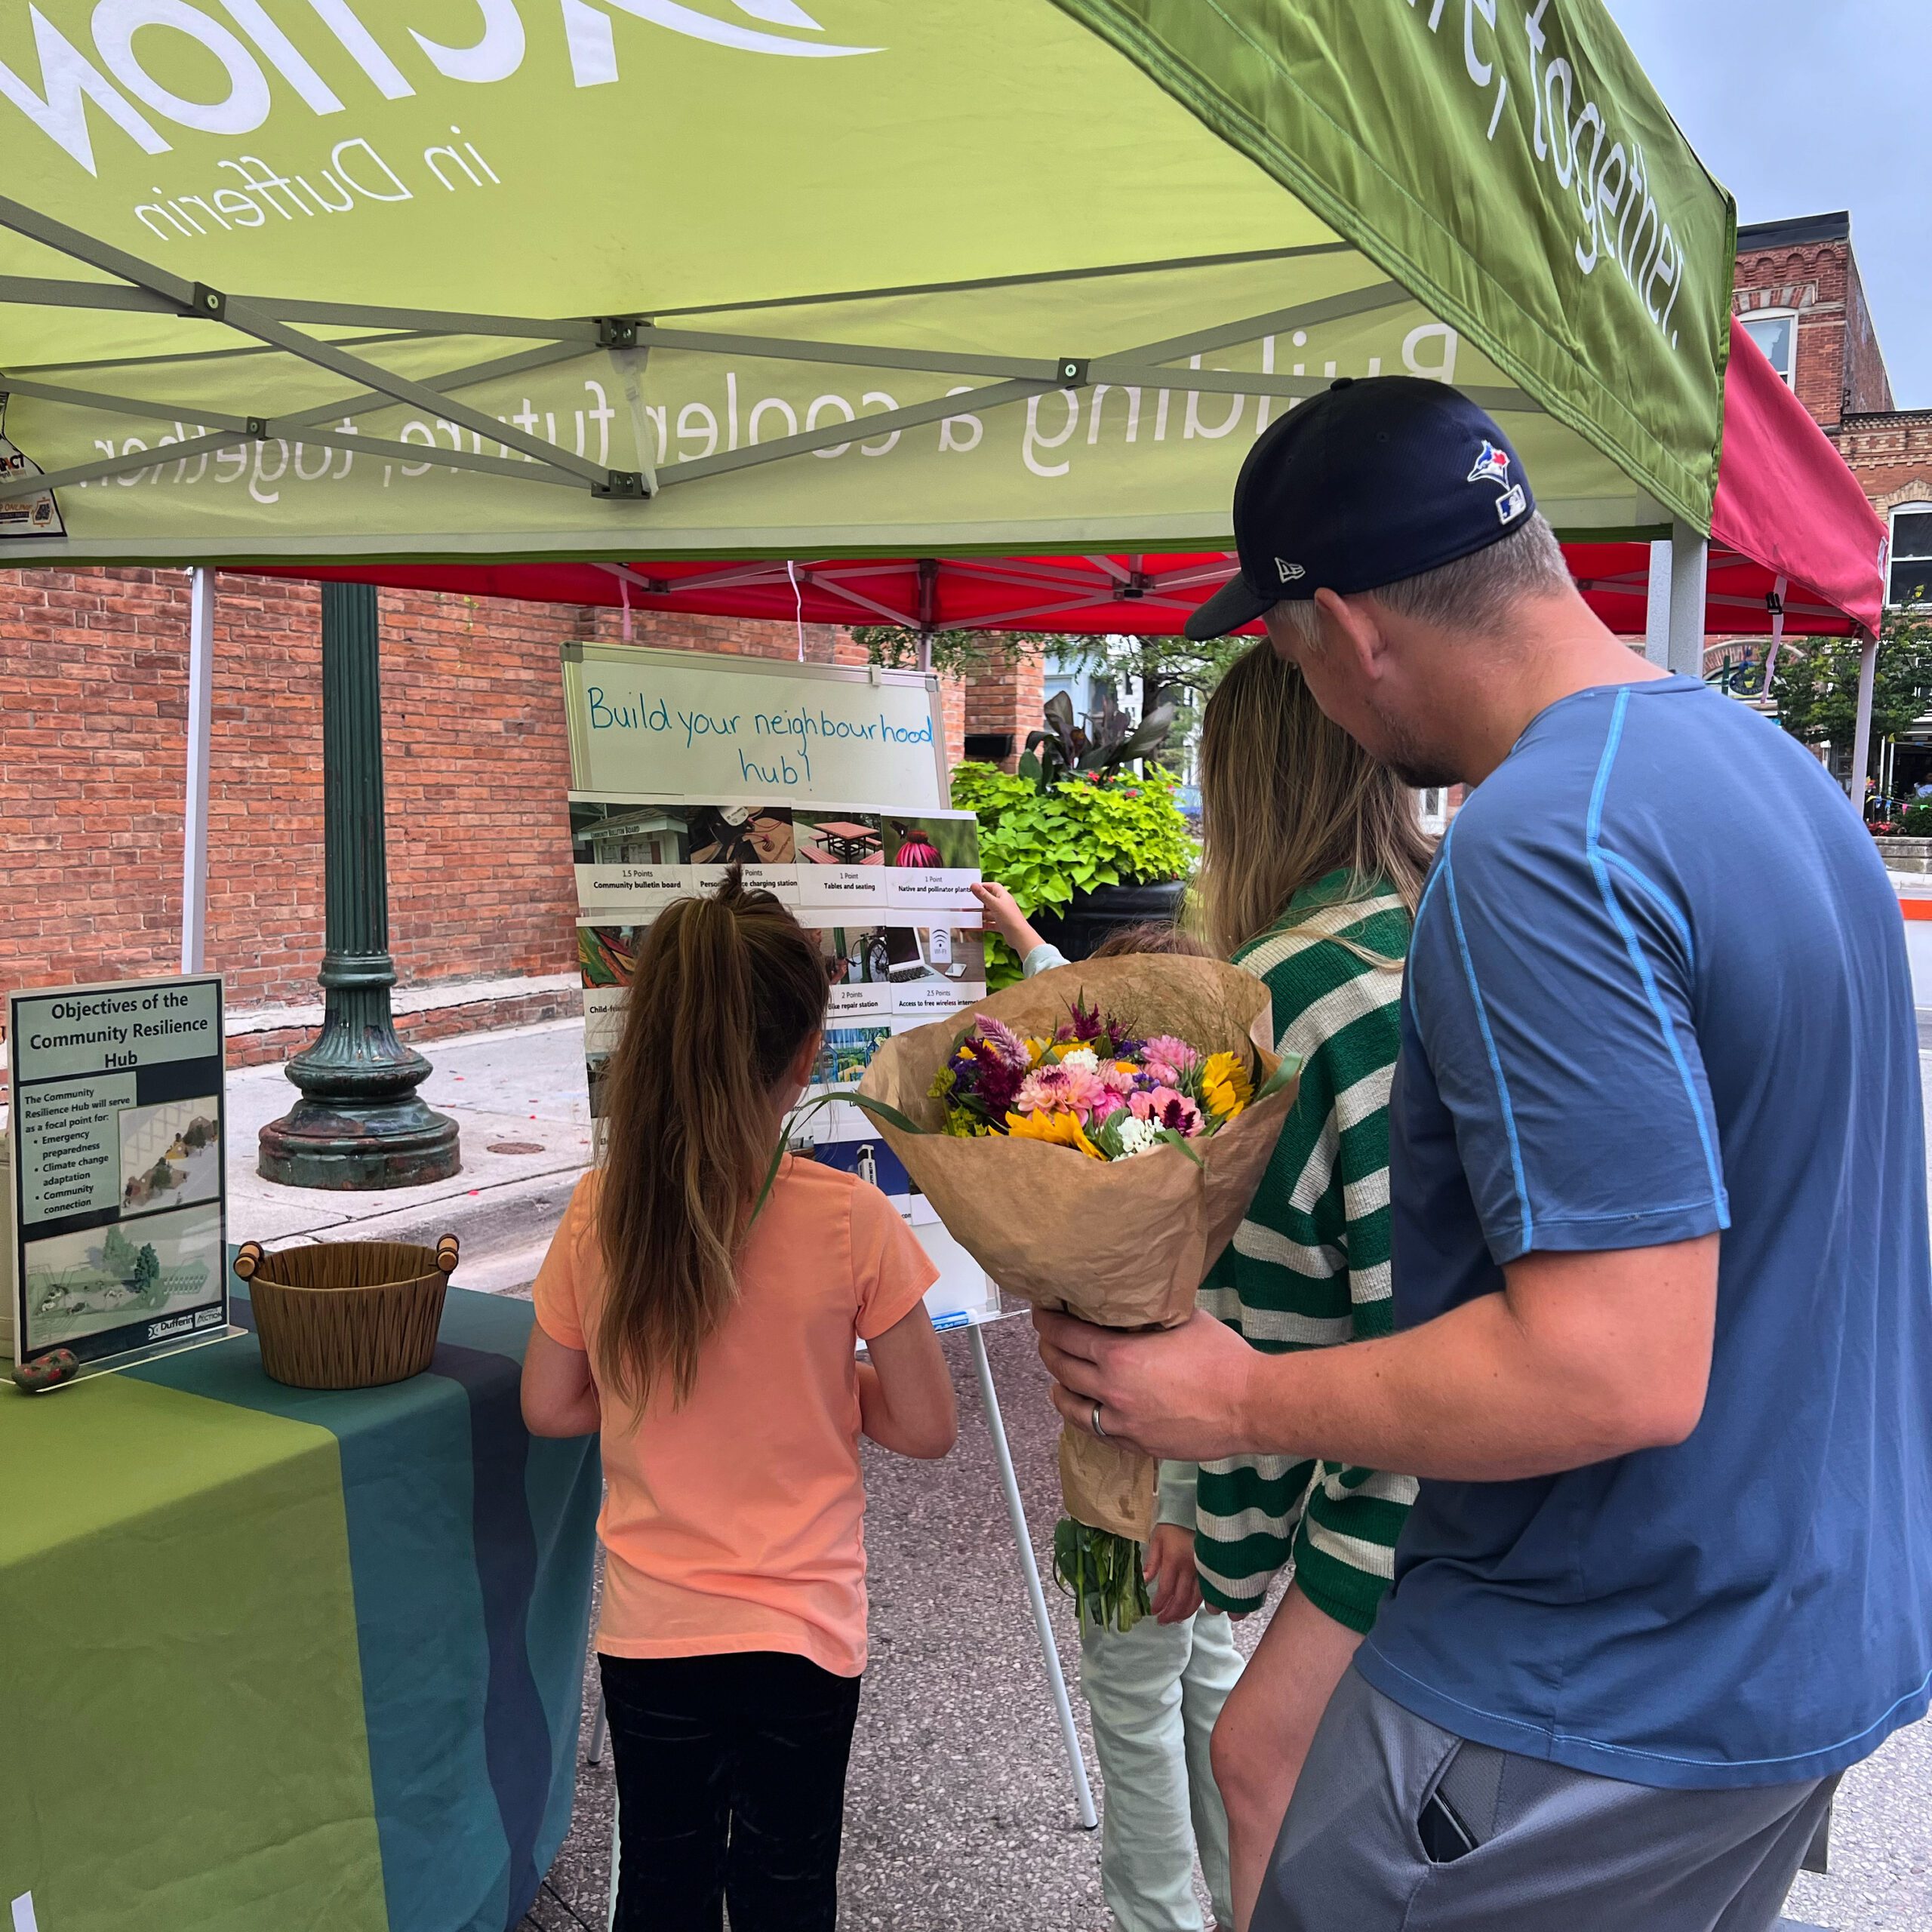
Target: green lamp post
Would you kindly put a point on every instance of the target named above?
(360, 1122)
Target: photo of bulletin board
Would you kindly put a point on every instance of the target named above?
(827, 785)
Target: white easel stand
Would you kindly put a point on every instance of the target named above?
(1029, 1571)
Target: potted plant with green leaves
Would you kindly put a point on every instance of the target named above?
(1083, 843)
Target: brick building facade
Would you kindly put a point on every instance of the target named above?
(93, 722)
(1799, 292)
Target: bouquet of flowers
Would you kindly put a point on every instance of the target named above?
(1092, 1136)
(1090, 1085)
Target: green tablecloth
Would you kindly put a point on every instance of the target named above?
(282, 1659)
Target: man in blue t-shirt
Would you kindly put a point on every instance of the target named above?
(1661, 1282)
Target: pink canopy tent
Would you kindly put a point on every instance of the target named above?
(1790, 525)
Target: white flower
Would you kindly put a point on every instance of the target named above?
(1137, 1136)
(1084, 1057)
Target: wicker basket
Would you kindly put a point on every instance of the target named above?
(347, 1314)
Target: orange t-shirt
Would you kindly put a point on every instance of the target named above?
(734, 1521)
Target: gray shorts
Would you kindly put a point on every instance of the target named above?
(1555, 1850)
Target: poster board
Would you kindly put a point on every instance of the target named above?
(117, 1196)
(679, 724)
(827, 785)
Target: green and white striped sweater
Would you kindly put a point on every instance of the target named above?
(1309, 1265)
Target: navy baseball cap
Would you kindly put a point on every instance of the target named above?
(1374, 480)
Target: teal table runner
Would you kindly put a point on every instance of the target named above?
(289, 1658)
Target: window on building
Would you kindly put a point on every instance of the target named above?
(1777, 335)
(1911, 555)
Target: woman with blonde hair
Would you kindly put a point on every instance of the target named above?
(1314, 859)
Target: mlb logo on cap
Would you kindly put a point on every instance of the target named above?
(1368, 483)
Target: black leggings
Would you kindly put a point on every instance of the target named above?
(730, 1786)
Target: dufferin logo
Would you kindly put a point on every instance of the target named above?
(69, 90)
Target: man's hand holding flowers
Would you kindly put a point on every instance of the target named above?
(1180, 1394)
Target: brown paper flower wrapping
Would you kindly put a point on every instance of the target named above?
(1121, 1243)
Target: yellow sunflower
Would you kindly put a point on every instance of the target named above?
(1060, 1128)
(1224, 1085)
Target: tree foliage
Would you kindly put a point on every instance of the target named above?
(954, 653)
(1815, 686)
(1173, 671)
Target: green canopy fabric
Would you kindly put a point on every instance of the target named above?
(292, 280)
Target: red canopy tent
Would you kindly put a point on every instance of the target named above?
(1787, 509)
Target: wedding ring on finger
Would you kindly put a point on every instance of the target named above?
(1097, 1429)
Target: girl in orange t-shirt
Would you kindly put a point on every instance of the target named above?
(713, 1351)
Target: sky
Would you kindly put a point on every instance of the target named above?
(1804, 107)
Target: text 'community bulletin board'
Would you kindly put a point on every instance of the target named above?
(827, 785)
(116, 1195)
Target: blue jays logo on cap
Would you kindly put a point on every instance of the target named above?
(1492, 466)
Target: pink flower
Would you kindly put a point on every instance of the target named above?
(1045, 1089)
(1167, 1108)
(1110, 1102)
(1117, 1079)
(1170, 1053)
(1075, 1089)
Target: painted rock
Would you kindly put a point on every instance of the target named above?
(56, 1366)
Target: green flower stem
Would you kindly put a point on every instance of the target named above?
(1102, 1573)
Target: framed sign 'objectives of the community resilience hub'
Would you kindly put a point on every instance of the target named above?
(116, 1195)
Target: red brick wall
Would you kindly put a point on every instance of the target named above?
(1007, 697)
(1891, 455)
(1868, 386)
(92, 716)
(1810, 278)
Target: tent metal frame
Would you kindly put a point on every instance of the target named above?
(271, 323)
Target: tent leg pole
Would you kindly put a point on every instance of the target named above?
(1690, 557)
(1029, 1571)
(1656, 605)
(194, 815)
(1861, 733)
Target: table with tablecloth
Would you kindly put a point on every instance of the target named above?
(280, 1659)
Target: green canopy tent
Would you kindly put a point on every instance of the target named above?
(283, 282)
(320, 282)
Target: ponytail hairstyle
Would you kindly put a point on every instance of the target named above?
(726, 991)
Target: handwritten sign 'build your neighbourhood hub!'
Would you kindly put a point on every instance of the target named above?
(116, 1197)
(682, 726)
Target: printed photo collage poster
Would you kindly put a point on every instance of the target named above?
(885, 893)
(117, 1194)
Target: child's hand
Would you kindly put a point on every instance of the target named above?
(1004, 915)
(1174, 1587)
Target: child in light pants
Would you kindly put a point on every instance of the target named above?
(1155, 1690)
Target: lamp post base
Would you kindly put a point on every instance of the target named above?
(360, 1123)
(351, 1145)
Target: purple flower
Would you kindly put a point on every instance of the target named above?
(994, 1040)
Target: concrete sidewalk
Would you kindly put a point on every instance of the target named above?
(519, 1099)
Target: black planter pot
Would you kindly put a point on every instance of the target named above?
(1095, 916)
